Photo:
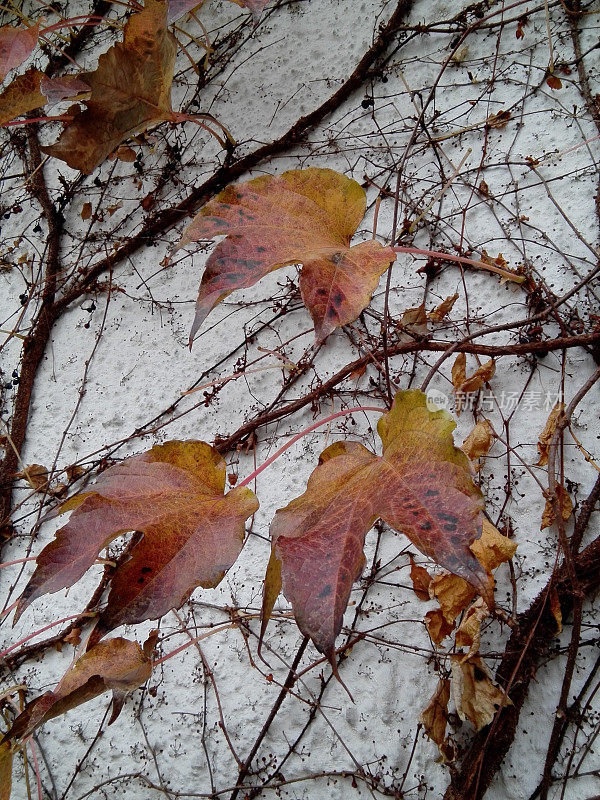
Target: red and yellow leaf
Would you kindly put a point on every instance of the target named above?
(303, 217)
(192, 532)
(130, 90)
(421, 486)
(117, 665)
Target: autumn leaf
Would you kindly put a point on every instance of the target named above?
(36, 476)
(468, 633)
(21, 95)
(16, 44)
(420, 580)
(117, 665)
(437, 625)
(421, 486)
(414, 322)
(556, 609)
(434, 720)
(479, 441)
(476, 696)
(62, 88)
(554, 82)
(271, 591)
(498, 120)
(455, 594)
(5, 770)
(303, 217)
(565, 504)
(174, 495)
(130, 90)
(462, 384)
(547, 434)
(438, 313)
(34, 90)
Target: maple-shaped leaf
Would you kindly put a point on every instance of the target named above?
(130, 90)
(16, 44)
(303, 217)
(192, 532)
(117, 665)
(421, 486)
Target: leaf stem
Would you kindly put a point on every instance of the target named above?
(302, 433)
(216, 629)
(41, 630)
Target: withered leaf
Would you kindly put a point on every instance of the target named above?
(414, 321)
(554, 82)
(63, 88)
(498, 120)
(21, 95)
(193, 532)
(438, 626)
(420, 580)
(271, 591)
(74, 472)
(421, 486)
(479, 441)
(36, 476)
(303, 217)
(469, 630)
(548, 432)
(565, 504)
(452, 592)
(117, 665)
(130, 90)
(462, 384)
(556, 609)
(476, 696)
(438, 314)
(5, 770)
(16, 44)
(435, 720)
